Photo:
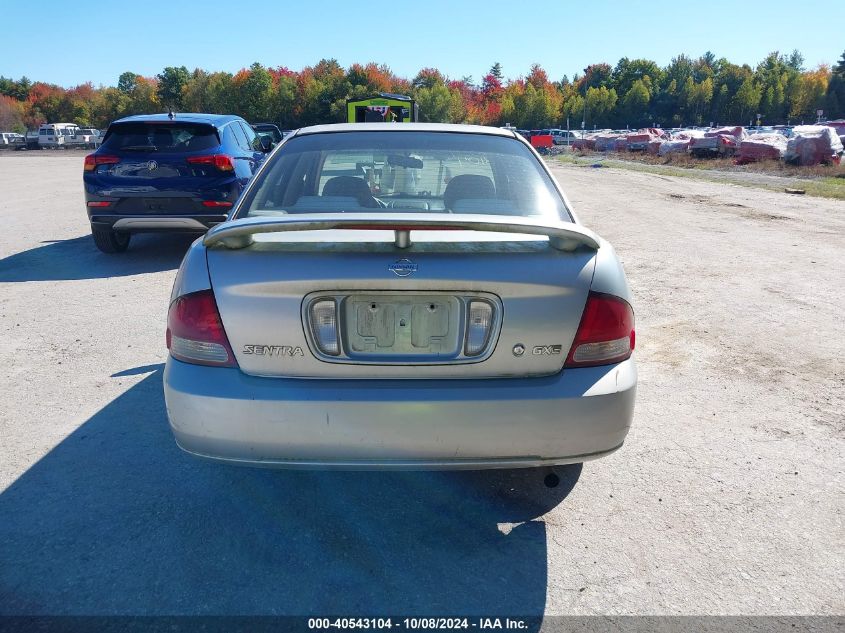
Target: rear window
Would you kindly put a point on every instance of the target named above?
(161, 137)
(428, 172)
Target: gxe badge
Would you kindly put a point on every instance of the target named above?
(403, 267)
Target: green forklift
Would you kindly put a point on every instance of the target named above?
(382, 108)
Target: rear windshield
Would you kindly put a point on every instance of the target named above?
(428, 172)
(160, 137)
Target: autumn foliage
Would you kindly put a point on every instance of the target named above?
(633, 93)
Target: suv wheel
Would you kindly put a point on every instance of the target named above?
(110, 241)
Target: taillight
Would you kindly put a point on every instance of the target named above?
(195, 332)
(606, 333)
(92, 160)
(220, 162)
(99, 203)
(216, 204)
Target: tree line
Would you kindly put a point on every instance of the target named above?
(633, 93)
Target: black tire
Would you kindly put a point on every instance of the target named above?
(110, 241)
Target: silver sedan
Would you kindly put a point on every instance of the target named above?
(401, 296)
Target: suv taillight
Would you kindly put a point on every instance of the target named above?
(606, 333)
(221, 162)
(195, 332)
(92, 160)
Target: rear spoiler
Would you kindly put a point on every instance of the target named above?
(564, 236)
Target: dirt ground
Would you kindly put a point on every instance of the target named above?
(726, 499)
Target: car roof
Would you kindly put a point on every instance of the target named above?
(191, 117)
(404, 127)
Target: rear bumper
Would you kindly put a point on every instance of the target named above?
(154, 208)
(156, 223)
(223, 414)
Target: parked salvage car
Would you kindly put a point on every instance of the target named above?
(10, 139)
(719, 142)
(30, 140)
(89, 137)
(561, 137)
(270, 130)
(167, 172)
(361, 310)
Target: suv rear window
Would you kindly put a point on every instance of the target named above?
(160, 137)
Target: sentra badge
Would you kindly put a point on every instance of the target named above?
(273, 350)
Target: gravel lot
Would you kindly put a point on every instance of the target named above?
(726, 499)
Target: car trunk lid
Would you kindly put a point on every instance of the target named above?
(402, 312)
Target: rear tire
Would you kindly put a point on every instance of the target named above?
(109, 241)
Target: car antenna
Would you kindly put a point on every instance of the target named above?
(170, 113)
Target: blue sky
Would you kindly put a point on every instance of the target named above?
(96, 41)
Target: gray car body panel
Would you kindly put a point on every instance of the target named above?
(572, 416)
(609, 276)
(193, 272)
(260, 290)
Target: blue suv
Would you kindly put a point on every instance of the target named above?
(168, 172)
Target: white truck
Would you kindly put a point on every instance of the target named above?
(57, 135)
(68, 135)
(88, 137)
